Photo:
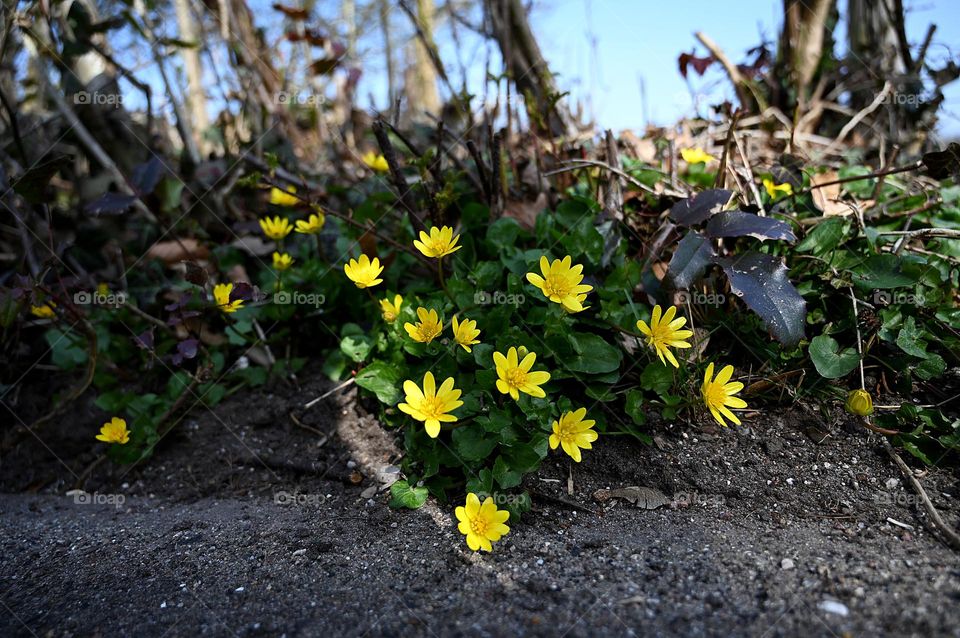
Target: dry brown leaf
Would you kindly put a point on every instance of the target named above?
(254, 245)
(176, 250)
(827, 198)
(526, 212)
(238, 274)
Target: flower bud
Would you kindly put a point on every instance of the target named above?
(859, 402)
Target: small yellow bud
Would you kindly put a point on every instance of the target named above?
(859, 402)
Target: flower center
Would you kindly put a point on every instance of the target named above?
(566, 435)
(556, 286)
(432, 407)
(427, 331)
(516, 377)
(479, 526)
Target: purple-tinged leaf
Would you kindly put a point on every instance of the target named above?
(146, 176)
(196, 274)
(737, 223)
(693, 256)
(188, 348)
(693, 210)
(145, 340)
(943, 164)
(110, 204)
(761, 282)
(788, 170)
(243, 291)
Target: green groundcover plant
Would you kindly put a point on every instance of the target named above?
(489, 346)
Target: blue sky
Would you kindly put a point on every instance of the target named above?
(642, 39)
(635, 40)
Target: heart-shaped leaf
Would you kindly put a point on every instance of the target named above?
(829, 360)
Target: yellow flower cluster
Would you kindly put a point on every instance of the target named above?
(433, 404)
(665, 331)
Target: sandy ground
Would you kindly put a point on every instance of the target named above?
(245, 524)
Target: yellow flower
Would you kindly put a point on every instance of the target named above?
(282, 261)
(363, 272)
(427, 329)
(46, 311)
(103, 289)
(431, 405)
(515, 375)
(718, 394)
(376, 162)
(439, 243)
(573, 432)
(465, 333)
(312, 225)
(283, 198)
(859, 402)
(391, 310)
(665, 332)
(696, 156)
(221, 293)
(481, 524)
(773, 189)
(114, 431)
(276, 228)
(561, 283)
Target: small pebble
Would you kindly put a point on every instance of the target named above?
(834, 607)
(786, 563)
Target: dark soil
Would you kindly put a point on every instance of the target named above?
(775, 531)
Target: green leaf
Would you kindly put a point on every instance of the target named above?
(911, 339)
(825, 236)
(657, 377)
(931, 367)
(356, 347)
(383, 379)
(504, 476)
(503, 232)
(66, 348)
(829, 361)
(405, 496)
(879, 272)
(483, 355)
(472, 443)
(592, 354)
(634, 406)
